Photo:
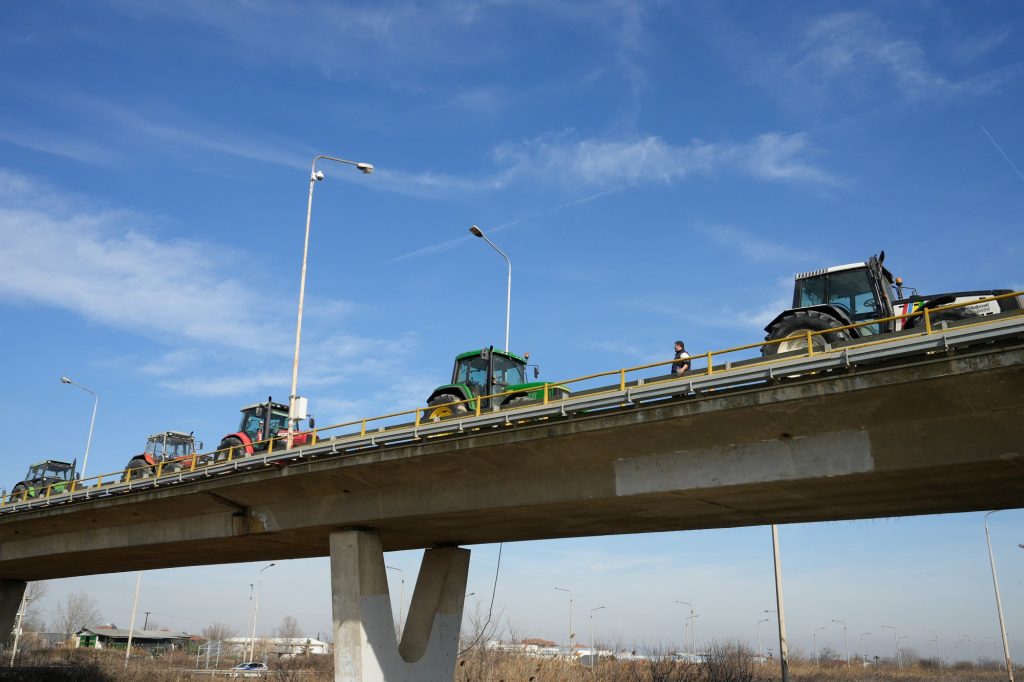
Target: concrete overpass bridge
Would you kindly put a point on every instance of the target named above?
(918, 424)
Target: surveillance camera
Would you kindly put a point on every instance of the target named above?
(318, 175)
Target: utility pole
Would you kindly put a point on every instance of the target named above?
(145, 625)
(783, 646)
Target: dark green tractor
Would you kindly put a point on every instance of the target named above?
(487, 372)
(41, 476)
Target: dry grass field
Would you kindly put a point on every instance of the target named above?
(725, 664)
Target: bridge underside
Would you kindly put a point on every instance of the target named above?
(943, 435)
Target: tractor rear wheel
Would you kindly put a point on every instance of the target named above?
(445, 406)
(230, 444)
(18, 490)
(136, 469)
(794, 329)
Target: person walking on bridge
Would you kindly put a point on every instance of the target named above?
(682, 362)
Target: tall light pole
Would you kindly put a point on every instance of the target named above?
(19, 620)
(895, 642)
(401, 598)
(477, 232)
(999, 603)
(314, 177)
(131, 623)
(256, 610)
(92, 422)
(693, 631)
(693, 649)
(814, 639)
(562, 589)
(863, 659)
(938, 656)
(846, 644)
(901, 637)
(763, 620)
(593, 651)
(779, 605)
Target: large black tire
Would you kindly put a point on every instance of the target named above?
(951, 315)
(18, 491)
(445, 407)
(226, 446)
(794, 327)
(137, 468)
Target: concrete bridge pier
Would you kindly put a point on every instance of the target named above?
(11, 593)
(365, 646)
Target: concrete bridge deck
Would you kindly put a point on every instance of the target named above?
(935, 431)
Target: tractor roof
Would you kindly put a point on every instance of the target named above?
(273, 406)
(54, 463)
(834, 268)
(172, 434)
(474, 353)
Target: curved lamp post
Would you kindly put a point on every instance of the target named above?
(477, 232)
(256, 610)
(314, 177)
(846, 644)
(693, 649)
(401, 598)
(562, 589)
(593, 651)
(92, 422)
(999, 603)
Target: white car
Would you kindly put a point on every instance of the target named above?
(250, 669)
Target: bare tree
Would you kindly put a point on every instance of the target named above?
(77, 611)
(32, 620)
(218, 632)
(289, 628)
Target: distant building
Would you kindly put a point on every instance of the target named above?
(106, 637)
(282, 647)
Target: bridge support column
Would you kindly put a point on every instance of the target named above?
(365, 646)
(11, 593)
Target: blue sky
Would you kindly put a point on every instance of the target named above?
(654, 171)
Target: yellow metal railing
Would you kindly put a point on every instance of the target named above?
(473, 406)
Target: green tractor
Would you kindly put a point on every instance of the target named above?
(487, 372)
(41, 476)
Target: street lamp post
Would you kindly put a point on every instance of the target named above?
(901, 638)
(896, 643)
(562, 589)
(314, 177)
(814, 640)
(477, 232)
(593, 651)
(999, 603)
(846, 644)
(92, 422)
(256, 610)
(938, 652)
(863, 659)
(780, 606)
(693, 631)
(401, 598)
(693, 649)
(18, 619)
(763, 620)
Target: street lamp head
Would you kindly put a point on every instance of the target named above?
(65, 380)
(366, 168)
(318, 175)
(476, 231)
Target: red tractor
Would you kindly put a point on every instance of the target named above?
(262, 424)
(176, 450)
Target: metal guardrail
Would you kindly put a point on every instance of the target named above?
(414, 428)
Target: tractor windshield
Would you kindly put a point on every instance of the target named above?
(46, 470)
(178, 448)
(472, 372)
(852, 291)
(507, 371)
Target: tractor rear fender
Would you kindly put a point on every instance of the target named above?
(460, 391)
(835, 311)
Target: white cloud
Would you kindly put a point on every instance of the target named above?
(755, 248)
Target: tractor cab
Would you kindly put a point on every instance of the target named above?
(170, 445)
(487, 371)
(50, 471)
(254, 420)
(850, 293)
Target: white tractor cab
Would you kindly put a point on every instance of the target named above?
(49, 473)
(843, 295)
(175, 449)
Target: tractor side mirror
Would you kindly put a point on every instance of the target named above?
(536, 371)
(485, 354)
(312, 422)
(199, 445)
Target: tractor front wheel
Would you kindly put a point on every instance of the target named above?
(19, 491)
(793, 328)
(446, 406)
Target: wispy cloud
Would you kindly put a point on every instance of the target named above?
(754, 248)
